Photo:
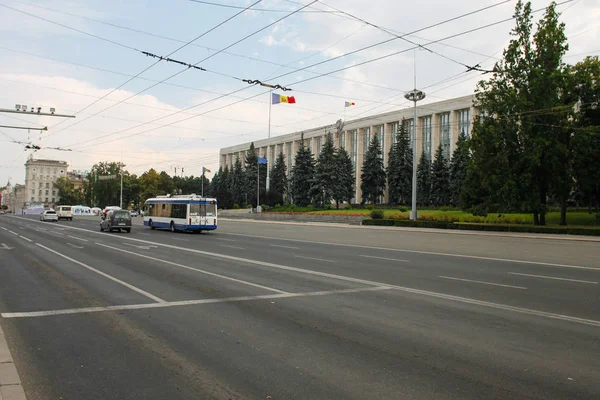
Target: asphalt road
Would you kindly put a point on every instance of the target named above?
(282, 311)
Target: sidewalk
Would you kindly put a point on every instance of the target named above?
(10, 383)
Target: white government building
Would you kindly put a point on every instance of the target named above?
(40, 176)
(437, 123)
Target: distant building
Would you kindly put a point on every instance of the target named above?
(20, 198)
(7, 197)
(77, 178)
(40, 176)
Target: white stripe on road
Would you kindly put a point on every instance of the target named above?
(458, 299)
(3, 228)
(416, 252)
(232, 247)
(23, 237)
(284, 247)
(554, 277)
(226, 240)
(186, 303)
(57, 233)
(75, 246)
(194, 269)
(76, 238)
(483, 283)
(183, 240)
(384, 258)
(145, 234)
(14, 233)
(112, 278)
(316, 259)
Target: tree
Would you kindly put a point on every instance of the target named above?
(251, 174)
(303, 174)
(400, 165)
(67, 193)
(278, 185)
(424, 181)
(458, 168)
(149, 182)
(323, 187)
(373, 173)
(238, 183)
(132, 191)
(440, 180)
(219, 188)
(105, 192)
(344, 177)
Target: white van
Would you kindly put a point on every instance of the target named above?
(65, 212)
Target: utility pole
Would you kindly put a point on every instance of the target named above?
(414, 96)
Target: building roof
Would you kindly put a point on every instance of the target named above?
(41, 161)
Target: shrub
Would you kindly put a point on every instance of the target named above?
(236, 207)
(377, 214)
(403, 209)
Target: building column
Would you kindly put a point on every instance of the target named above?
(360, 135)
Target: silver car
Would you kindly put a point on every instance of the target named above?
(49, 215)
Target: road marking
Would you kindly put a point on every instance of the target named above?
(112, 278)
(145, 234)
(76, 238)
(285, 247)
(186, 303)
(554, 277)
(3, 228)
(75, 246)
(316, 259)
(57, 233)
(23, 237)
(232, 247)
(183, 240)
(5, 247)
(417, 252)
(14, 233)
(140, 247)
(482, 282)
(458, 299)
(195, 269)
(384, 258)
(60, 229)
(226, 240)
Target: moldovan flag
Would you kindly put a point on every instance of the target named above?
(350, 103)
(276, 99)
(204, 170)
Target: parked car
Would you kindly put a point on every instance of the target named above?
(49, 215)
(116, 220)
(65, 212)
(133, 213)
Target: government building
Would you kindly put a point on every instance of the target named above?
(437, 123)
(40, 176)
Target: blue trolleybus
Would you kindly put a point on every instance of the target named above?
(181, 213)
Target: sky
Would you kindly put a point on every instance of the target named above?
(84, 58)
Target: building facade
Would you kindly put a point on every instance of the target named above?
(437, 124)
(40, 176)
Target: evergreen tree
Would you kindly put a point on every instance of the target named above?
(323, 187)
(278, 185)
(373, 173)
(458, 168)
(400, 165)
(344, 177)
(250, 171)
(440, 180)
(423, 181)
(302, 176)
(238, 183)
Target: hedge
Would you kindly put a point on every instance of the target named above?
(566, 230)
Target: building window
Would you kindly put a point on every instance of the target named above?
(289, 156)
(445, 134)
(40, 193)
(393, 131)
(366, 139)
(32, 199)
(353, 147)
(309, 144)
(32, 192)
(319, 145)
(54, 172)
(427, 137)
(46, 193)
(379, 133)
(47, 185)
(54, 193)
(409, 129)
(342, 140)
(46, 200)
(464, 122)
(53, 200)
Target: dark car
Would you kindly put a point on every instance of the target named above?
(116, 220)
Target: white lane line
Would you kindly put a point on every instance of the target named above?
(57, 233)
(232, 247)
(195, 269)
(316, 259)
(416, 252)
(23, 237)
(226, 240)
(76, 238)
(554, 277)
(384, 258)
(183, 240)
(3, 228)
(14, 233)
(60, 229)
(458, 299)
(75, 246)
(482, 282)
(112, 278)
(186, 303)
(145, 234)
(284, 247)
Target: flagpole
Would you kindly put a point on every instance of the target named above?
(258, 185)
(268, 145)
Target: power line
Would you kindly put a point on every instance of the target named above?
(146, 69)
(257, 9)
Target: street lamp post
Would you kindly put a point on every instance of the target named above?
(414, 96)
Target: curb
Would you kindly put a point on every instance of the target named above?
(422, 230)
(10, 383)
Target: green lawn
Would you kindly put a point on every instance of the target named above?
(552, 218)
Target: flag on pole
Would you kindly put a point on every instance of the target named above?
(276, 99)
(262, 160)
(205, 170)
(350, 103)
